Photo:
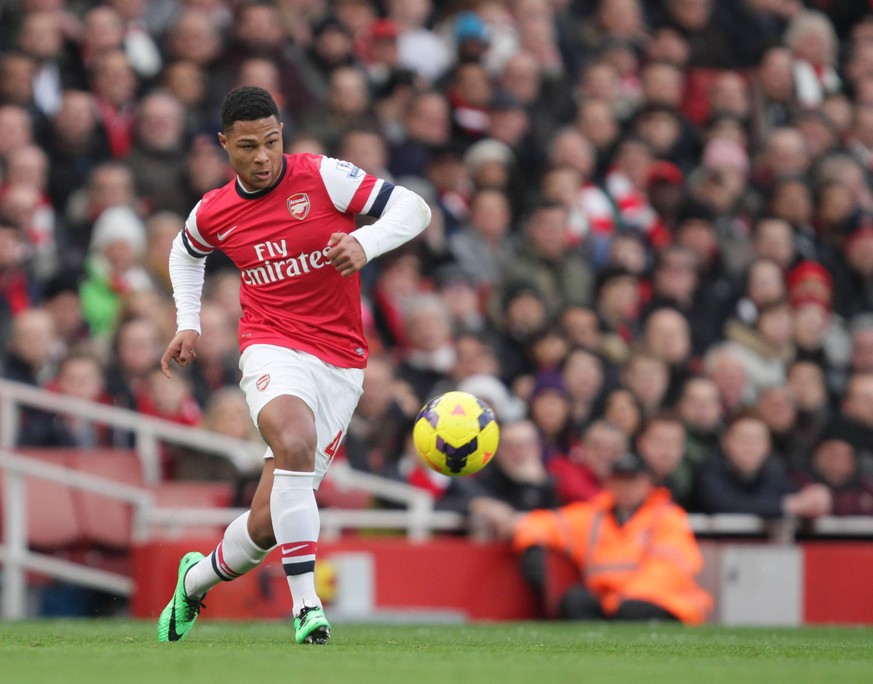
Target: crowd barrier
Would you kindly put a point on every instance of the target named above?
(752, 582)
(103, 519)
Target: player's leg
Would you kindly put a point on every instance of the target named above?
(287, 424)
(245, 544)
(302, 408)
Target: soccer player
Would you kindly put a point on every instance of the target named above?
(288, 223)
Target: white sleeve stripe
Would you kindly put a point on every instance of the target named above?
(374, 193)
(192, 250)
(194, 230)
(405, 216)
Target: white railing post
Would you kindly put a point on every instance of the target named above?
(15, 545)
(149, 452)
(8, 421)
(140, 521)
(420, 509)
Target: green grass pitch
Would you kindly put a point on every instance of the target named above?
(124, 652)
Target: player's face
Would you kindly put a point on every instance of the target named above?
(255, 151)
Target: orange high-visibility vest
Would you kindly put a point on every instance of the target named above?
(653, 557)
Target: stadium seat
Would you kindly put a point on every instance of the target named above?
(106, 521)
(51, 511)
(192, 494)
(189, 494)
(63, 518)
(331, 495)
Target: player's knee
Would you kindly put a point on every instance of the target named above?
(293, 452)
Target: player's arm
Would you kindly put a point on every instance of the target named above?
(405, 215)
(401, 214)
(187, 273)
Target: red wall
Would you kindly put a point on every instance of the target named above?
(482, 580)
(838, 582)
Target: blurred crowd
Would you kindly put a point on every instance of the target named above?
(652, 232)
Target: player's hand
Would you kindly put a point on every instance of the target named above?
(345, 254)
(180, 350)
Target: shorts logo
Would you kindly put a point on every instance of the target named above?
(298, 205)
(262, 382)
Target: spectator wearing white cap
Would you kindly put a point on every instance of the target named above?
(811, 37)
(114, 267)
(420, 49)
(507, 407)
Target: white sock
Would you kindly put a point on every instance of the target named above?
(296, 525)
(235, 555)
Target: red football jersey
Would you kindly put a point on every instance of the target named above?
(277, 237)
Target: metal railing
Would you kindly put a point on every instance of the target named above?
(782, 530)
(149, 432)
(418, 518)
(15, 554)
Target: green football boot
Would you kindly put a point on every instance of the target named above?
(178, 617)
(311, 627)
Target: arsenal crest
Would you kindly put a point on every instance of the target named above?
(298, 205)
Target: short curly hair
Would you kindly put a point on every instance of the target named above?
(247, 104)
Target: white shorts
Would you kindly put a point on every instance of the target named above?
(332, 393)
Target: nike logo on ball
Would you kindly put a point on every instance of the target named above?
(223, 235)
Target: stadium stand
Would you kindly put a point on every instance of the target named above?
(713, 162)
